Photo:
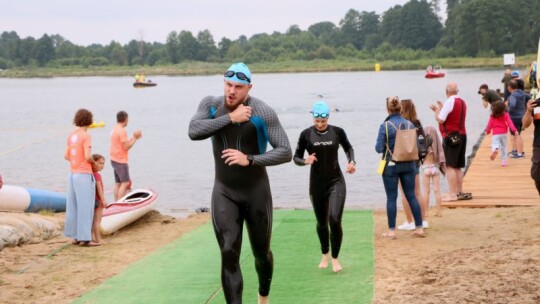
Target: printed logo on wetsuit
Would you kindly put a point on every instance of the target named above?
(322, 143)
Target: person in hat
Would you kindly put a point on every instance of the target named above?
(240, 127)
(326, 183)
(488, 96)
(520, 82)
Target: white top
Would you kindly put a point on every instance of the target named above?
(447, 108)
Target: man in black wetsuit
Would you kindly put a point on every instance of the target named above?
(326, 183)
(240, 127)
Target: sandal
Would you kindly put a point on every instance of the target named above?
(461, 196)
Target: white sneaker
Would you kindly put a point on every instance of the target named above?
(425, 224)
(406, 226)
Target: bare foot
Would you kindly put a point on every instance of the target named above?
(336, 266)
(439, 212)
(91, 244)
(419, 232)
(324, 261)
(449, 198)
(390, 234)
(263, 300)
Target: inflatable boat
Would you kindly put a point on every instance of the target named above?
(19, 199)
(128, 209)
(434, 72)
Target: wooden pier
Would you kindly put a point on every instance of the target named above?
(495, 186)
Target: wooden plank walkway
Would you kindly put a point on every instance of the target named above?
(495, 186)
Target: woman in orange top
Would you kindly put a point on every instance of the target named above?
(81, 190)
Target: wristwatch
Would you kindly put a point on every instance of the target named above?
(251, 159)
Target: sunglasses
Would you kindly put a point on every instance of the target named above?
(240, 75)
(319, 115)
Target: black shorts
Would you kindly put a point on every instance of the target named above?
(121, 172)
(518, 124)
(455, 156)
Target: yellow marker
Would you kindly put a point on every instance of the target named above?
(100, 124)
(377, 67)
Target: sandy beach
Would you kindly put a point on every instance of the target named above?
(489, 255)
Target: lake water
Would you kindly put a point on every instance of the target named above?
(36, 117)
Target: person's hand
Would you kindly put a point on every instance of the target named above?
(240, 114)
(433, 107)
(1, 182)
(235, 157)
(311, 159)
(137, 134)
(531, 104)
(351, 168)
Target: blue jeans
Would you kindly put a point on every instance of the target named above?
(406, 173)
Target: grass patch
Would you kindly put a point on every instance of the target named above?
(190, 68)
(47, 212)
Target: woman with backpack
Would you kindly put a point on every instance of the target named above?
(408, 111)
(395, 140)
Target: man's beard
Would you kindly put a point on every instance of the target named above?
(232, 107)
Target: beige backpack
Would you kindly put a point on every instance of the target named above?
(405, 147)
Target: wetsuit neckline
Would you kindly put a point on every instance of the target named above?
(322, 132)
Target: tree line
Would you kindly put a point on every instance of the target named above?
(411, 31)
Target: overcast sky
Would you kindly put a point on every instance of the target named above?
(98, 21)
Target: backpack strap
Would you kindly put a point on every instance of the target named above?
(387, 147)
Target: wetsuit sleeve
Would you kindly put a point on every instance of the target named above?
(300, 149)
(281, 152)
(202, 125)
(347, 147)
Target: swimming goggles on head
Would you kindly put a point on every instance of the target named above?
(320, 115)
(240, 75)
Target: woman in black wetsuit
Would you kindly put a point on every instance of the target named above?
(326, 184)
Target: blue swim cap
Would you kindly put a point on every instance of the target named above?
(320, 109)
(515, 74)
(239, 72)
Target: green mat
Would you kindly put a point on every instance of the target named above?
(188, 269)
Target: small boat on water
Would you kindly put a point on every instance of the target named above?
(145, 84)
(128, 209)
(19, 199)
(434, 72)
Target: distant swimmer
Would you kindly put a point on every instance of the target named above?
(240, 127)
(326, 184)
